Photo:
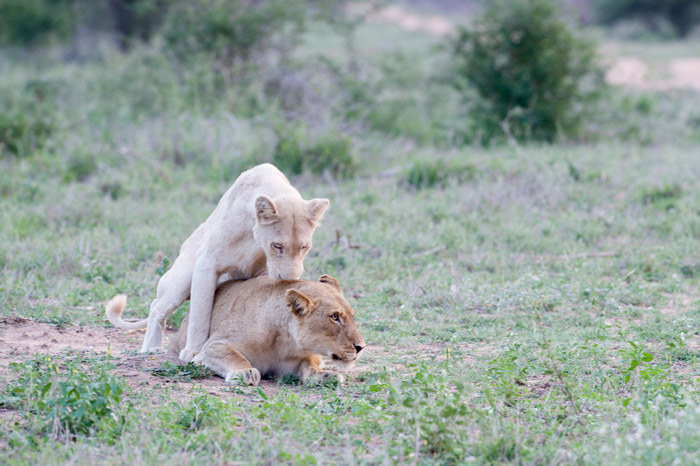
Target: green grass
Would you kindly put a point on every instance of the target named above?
(525, 304)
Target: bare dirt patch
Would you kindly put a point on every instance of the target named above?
(21, 339)
(682, 73)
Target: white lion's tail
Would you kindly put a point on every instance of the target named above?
(114, 310)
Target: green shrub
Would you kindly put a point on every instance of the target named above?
(27, 118)
(331, 153)
(136, 19)
(529, 69)
(33, 22)
(69, 395)
(683, 15)
(230, 31)
(431, 172)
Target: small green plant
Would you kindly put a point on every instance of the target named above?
(507, 377)
(163, 267)
(437, 172)
(194, 414)
(71, 397)
(33, 22)
(650, 380)
(186, 372)
(331, 153)
(27, 119)
(436, 410)
(229, 31)
(529, 69)
(664, 197)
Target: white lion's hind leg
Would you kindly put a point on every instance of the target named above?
(173, 290)
(203, 285)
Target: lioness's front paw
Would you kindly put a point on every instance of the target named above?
(154, 350)
(250, 376)
(186, 355)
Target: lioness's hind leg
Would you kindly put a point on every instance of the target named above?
(223, 359)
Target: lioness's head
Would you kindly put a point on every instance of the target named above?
(325, 323)
(283, 229)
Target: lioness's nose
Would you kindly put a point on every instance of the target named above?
(358, 348)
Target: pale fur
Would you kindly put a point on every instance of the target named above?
(260, 211)
(263, 326)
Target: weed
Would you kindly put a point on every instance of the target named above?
(430, 173)
(27, 121)
(331, 153)
(664, 197)
(71, 400)
(186, 372)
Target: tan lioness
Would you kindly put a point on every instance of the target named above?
(260, 224)
(266, 326)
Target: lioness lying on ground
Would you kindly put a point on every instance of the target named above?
(261, 223)
(264, 326)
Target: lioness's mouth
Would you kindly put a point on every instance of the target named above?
(336, 357)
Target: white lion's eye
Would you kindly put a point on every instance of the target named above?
(277, 246)
(335, 317)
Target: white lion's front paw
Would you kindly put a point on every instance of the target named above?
(250, 376)
(186, 355)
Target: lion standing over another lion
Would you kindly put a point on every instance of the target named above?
(261, 224)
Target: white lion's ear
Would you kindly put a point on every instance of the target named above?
(316, 208)
(300, 304)
(265, 211)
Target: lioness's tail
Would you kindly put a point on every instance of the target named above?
(114, 310)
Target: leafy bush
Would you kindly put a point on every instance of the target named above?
(437, 172)
(136, 19)
(230, 31)
(27, 118)
(529, 68)
(683, 15)
(330, 153)
(70, 398)
(32, 22)
(429, 408)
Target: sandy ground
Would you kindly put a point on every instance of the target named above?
(680, 73)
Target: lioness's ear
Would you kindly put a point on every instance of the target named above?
(300, 304)
(265, 210)
(328, 280)
(316, 208)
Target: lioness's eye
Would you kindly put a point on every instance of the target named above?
(335, 317)
(277, 246)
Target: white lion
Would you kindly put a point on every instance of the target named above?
(260, 224)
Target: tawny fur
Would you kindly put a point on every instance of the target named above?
(269, 327)
(261, 224)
